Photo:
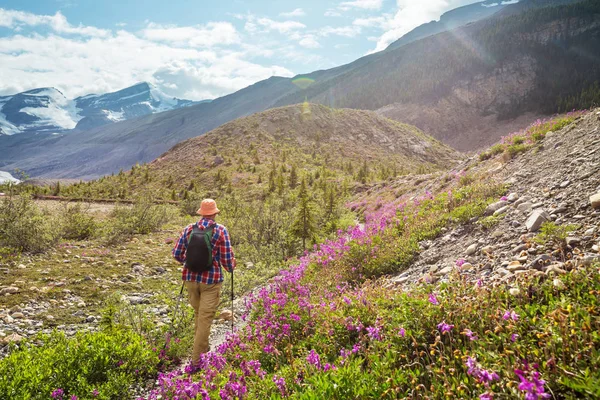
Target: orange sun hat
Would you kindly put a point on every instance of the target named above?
(208, 207)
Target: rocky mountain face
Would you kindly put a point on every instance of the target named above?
(465, 87)
(47, 110)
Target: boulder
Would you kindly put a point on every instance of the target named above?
(595, 200)
(536, 219)
(492, 208)
(472, 249)
(9, 290)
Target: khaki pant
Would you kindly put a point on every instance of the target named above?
(205, 300)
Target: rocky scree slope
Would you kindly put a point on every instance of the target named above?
(556, 181)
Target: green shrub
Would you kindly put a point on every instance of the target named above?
(496, 149)
(24, 227)
(140, 218)
(107, 362)
(553, 234)
(489, 222)
(514, 149)
(518, 140)
(77, 224)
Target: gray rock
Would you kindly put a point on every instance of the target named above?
(515, 266)
(472, 249)
(573, 241)
(536, 219)
(501, 210)
(525, 207)
(138, 300)
(487, 250)
(137, 268)
(590, 232)
(90, 319)
(4, 270)
(564, 184)
(519, 248)
(491, 209)
(513, 197)
(595, 200)
(9, 290)
(445, 270)
(18, 315)
(540, 262)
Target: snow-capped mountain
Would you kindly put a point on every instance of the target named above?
(39, 110)
(48, 110)
(135, 101)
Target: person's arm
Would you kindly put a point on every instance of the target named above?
(181, 246)
(227, 260)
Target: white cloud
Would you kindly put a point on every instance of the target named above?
(309, 42)
(57, 22)
(332, 13)
(269, 25)
(346, 31)
(298, 12)
(371, 22)
(362, 4)
(174, 58)
(409, 15)
(211, 34)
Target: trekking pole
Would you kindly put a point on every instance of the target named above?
(176, 311)
(232, 313)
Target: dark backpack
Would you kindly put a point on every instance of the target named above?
(198, 256)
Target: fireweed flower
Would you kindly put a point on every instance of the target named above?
(514, 337)
(470, 335)
(480, 374)
(280, 383)
(532, 385)
(314, 359)
(510, 315)
(57, 394)
(486, 396)
(374, 332)
(433, 299)
(402, 332)
(460, 262)
(443, 327)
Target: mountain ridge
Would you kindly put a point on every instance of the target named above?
(48, 110)
(442, 84)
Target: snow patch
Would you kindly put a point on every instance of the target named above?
(60, 112)
(6, 177)
(114, 116)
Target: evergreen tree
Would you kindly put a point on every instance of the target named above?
(304, 226)
(293, 177)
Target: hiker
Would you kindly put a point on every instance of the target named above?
(203, 282)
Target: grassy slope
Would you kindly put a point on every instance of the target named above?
(241, 155)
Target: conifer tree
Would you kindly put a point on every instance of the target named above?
(293, 177)
(304, 226)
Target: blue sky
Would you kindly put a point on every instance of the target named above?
(192, 49)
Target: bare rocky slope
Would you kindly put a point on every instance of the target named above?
(552, 182)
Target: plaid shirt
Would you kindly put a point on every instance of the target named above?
(222, 253)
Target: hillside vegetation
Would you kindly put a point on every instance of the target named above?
(444, 291)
